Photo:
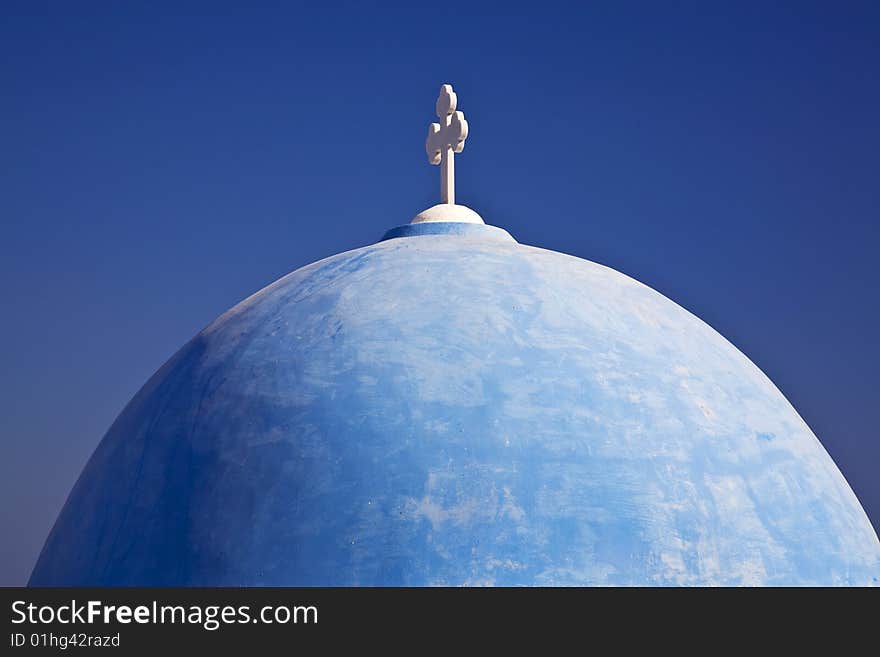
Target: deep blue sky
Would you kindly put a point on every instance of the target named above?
(159, 162)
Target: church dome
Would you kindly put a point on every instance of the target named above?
(448, 406)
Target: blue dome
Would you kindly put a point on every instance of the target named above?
(450, 407)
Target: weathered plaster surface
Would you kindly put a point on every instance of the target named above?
(459, 409)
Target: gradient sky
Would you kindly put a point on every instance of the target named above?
(159, 162)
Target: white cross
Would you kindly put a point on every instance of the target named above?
(446, 138)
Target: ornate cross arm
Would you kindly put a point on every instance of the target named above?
(445, 139)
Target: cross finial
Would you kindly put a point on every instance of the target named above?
(445, 139)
